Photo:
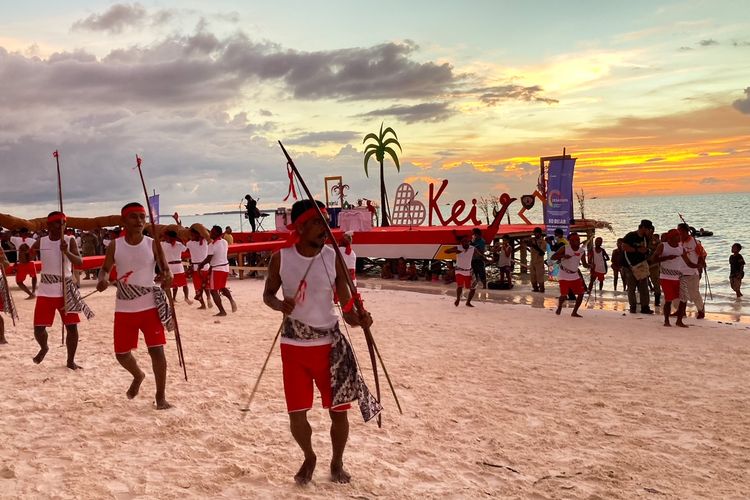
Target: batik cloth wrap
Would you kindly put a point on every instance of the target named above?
(126, 291)
(7, 305)
(347, 384)
(73, 301)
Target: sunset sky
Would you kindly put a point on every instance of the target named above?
(652, 97)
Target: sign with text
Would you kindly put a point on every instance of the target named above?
(154, 202)
(559, 208)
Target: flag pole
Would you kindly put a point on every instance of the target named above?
(56, 155)
(163, 260)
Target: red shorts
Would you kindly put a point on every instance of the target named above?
(24, 270)
(218, 280)
(301, 366)
(463, 281)
(598, 276)
(179, 280)
(575, 286)
(671, 289)
(45, 308)
(127, 325)
(199, 277)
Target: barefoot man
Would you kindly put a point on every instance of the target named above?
(49, 298)
(173, 249)
(312, 346)
(464, 275)
(198, 248)
(673, 260)
(25, 266)
(571, 256)
(140, 304)
(217, 282)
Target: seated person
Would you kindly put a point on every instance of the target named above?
(401, 269)
(385, 271)
(411, 272)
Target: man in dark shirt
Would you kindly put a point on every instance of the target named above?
(635, 247)
(736, 269)
(477, 261)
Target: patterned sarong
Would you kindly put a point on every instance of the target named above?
(7, 305)
(73, 301)
(126, 291)
(347, 384)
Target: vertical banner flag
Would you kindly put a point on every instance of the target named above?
(559, 208)
(154, 202)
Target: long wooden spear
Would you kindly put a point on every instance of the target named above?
(371, 346)
(56, 155)
(163, 261)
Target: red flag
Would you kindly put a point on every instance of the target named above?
(55, 155)
(138, 160)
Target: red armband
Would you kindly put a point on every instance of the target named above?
(350, 305)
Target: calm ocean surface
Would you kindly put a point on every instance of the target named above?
(727, 215)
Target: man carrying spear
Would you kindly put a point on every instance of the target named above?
(50, 297)
(313, 350)
(140, 304)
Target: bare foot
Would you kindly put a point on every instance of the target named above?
(40, 355)
(666, 323)
(163, 404)
(135, 386)
(188, 301)
(681, 324)
(576, 315)
(458, 301)
(305, 472)
(339, 475)
(221, 313)
(234, 306)
(558, 310)
(469, 304)
(203, 306)
(210, 304)
(3, 341)
(73, 366)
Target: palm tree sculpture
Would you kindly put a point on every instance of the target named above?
(380, 148)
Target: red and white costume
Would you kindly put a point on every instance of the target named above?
(569, 278)
(173, 254)
(198, 253)
(310, 280)
(219, 264)
(599, 264)
(670, 271)
(350, 259)
(463, 267)
(24, 269)
(49, 295)
(140, 313)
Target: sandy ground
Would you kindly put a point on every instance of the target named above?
(501, 400)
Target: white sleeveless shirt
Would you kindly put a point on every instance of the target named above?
(49, 254)
(140, 260)
(673, 268)
(173, 253)
(316, 308)
(570, 262)
(198, 253)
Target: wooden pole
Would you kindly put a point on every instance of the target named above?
(163, 260)
(371, 346)
(62, 237)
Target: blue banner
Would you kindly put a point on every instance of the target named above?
(154, 202)
(559, 207)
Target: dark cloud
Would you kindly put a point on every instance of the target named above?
(738, 43)
(708, 42)
(265, 112)
(329, 136)
(425, 112)
(685, 49)
(113, 20)
(743, 105)
(492, 96)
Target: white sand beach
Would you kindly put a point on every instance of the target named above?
(503, 400)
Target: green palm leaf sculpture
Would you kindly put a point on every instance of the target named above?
(380, 146)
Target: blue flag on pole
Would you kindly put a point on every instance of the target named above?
(559, 207)
(154, 202)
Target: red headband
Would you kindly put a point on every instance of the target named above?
(56, 217)
(132, 209)
(306, 216)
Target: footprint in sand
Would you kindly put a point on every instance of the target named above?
(7, 472)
